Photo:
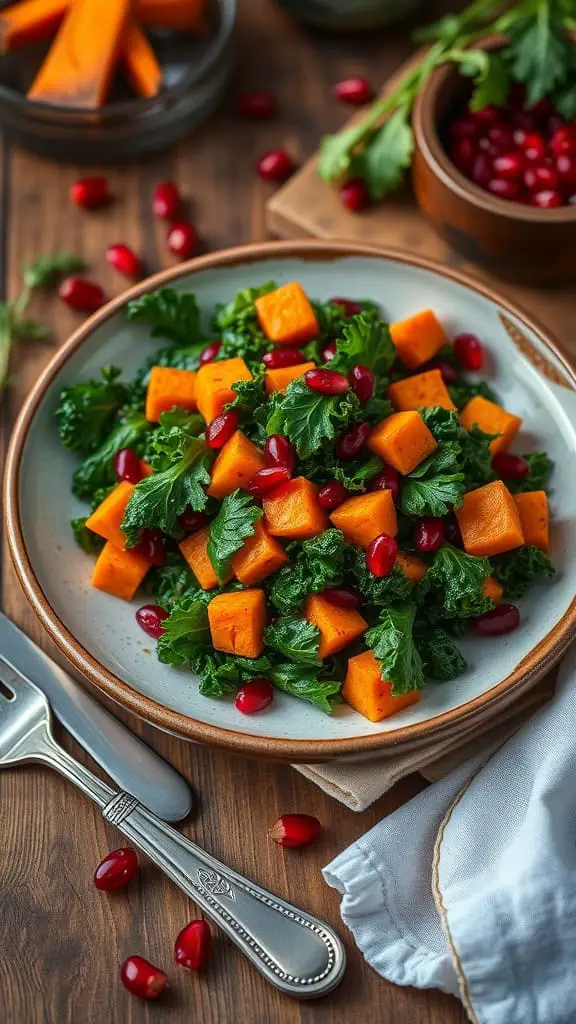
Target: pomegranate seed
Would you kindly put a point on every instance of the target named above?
(354, 195)
(543, 108)
(191, 521)
(553, 123)
(487, 115)
(275, 165)
(350, 307)
(257, 105)
(328, 352)
(210, 352)
(279, 452)
(265, 480)
(482, 170)
(127, 466)
(469, 351)
(501, 136)
(514, 467)
(326, 382)
(566, 168)
(254, 696)
(221, 429)
(503, 619)
(540, 177)
(124, 259)
(525, 122)
(151, 545)
(462, 154)
(363, 383)
(85, 296)
(332, 495)
(349, 444)
(192, 946)
(449, 375)
(280, 357)
(464, 128)
(452, 530)
(117, 869)
(381, 555)
(548, 199)
(182, 239)
(388, 479)
(508, 165)
(429, 533)
(353, 90)
(489, 148)
(534, 147)
(504, 188)
(295, 830)
(563, 140)
(142, 978)
(90, 192)
(343, 597)
(150, 618)
(166, 201)
(519, 136)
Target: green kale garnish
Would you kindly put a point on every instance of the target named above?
(297, 639)
(453, 585)
(97, 470)
(171, 314)
(365, 340)
(235, 522)
(518, 570)
(539, 476)
(87, 411)
(317, 564)
(307, 683)
(309, 419)
(377, 590)
(236, 324)
(85, 538)
(441, 658)
(186, 634)
(392, 641)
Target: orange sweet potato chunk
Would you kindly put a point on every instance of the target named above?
(278, 380)
(533, 511)
(338, 626)
(412, 566)
(195, 551)
(369, 694)
(237, 462)
(140, 62)
(259, 556)
(106, 519)
(492, 419)
(403, 440)
(418, 338)
(420, 391)
(286, 315)
(292, 510)
(365, 516)
(118, 572)
(493, 589)
(179, 15)
(489, 520)
(214, 385)
(237, 622)
(168, 387)
(29, 21)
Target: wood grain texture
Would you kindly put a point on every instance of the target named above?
(61, 942)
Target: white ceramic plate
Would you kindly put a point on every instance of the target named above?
(99, 633)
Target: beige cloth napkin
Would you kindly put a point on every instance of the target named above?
(357, 785)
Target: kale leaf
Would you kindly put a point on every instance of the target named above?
(432, 496)
(186, 634)
(297, 639)
(306, 683)
(441, 658)
(392, 642)
(97, 470)
(175, 582)
(377, 590)
(538, 478)
(356, 475)
(518, 570)
(366, 340)
(308, 419)
(221, 674)
(236, 324)
(318, 564)
(476, 457)
(171, 314)
(85, 538)
(235, 522)
(464, 390)
(87, 411)
(453, 585)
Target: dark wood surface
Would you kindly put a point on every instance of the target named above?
(61, 942)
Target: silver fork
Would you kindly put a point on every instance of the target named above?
(296, 952)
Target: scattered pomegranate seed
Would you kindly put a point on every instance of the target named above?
(548, 199)
(353, 90)
(350, 307)
(343, 597)
(90, 192)
(352, 441)
(257, 105)
(221, 429)
(192, 946)
(429, 533)
(469, 351)
(152, 546)
(381, 555)
(124, 259)
(254, 696)
(295, 830)
(363, 382)
(449, 375)
(85, 296)
(191, 521)
(279, 452)
(210, 352)
(166, 201)
(127, 466)
(117, 869)
(182, 239)
(354, 195)
(150, 618)
(503, 619)
(275, 165)
(513, 467)
(326, 382)
(332, 494)
(388, 479)
(266, 480)
(284, 356)
(328, 352)
(142, 978)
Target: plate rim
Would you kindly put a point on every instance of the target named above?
(529, 670)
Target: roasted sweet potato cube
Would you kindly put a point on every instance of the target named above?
(237, 622)
(237, 462)
(489, 521)
(119, 572)
(365, 516)
(403, 440)
(338, 626)
(292, 510)
(492, 419)
(278, 380)
(286, 315)
(371, 695)
(106, 519)
(214, 385)
(420, 392)
(492, 589)
(259, 556)
(533, 511)
(418, 338)
(168, 387)
(412, 566)
(195, 551)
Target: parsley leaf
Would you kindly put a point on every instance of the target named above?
(171, 314)
(441, 658)
(228, 531)
(377, 590)
(365, 340)
(308, 419)
(186, 634)
(518, 570)
(453, 585)
(87, 411)
(392, 642)
(318, 564)
(296, 639)
(388, 154)
(44, 269)
(303, 682)
(88, 541)
(539, 53)
(97, 470)
(538, 478)
(492, 84)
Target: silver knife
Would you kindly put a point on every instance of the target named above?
(126, 758)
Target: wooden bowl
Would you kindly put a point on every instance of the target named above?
(510, 240)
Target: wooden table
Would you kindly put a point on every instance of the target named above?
(61, 942)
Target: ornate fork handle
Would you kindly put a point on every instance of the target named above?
(296, 952)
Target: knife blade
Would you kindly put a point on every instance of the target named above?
(132, 764)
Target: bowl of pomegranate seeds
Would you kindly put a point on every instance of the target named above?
(294, 499)
(498, 182)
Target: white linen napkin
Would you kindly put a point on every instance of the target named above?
(471, 886)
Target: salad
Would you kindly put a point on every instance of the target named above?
(318, 502)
